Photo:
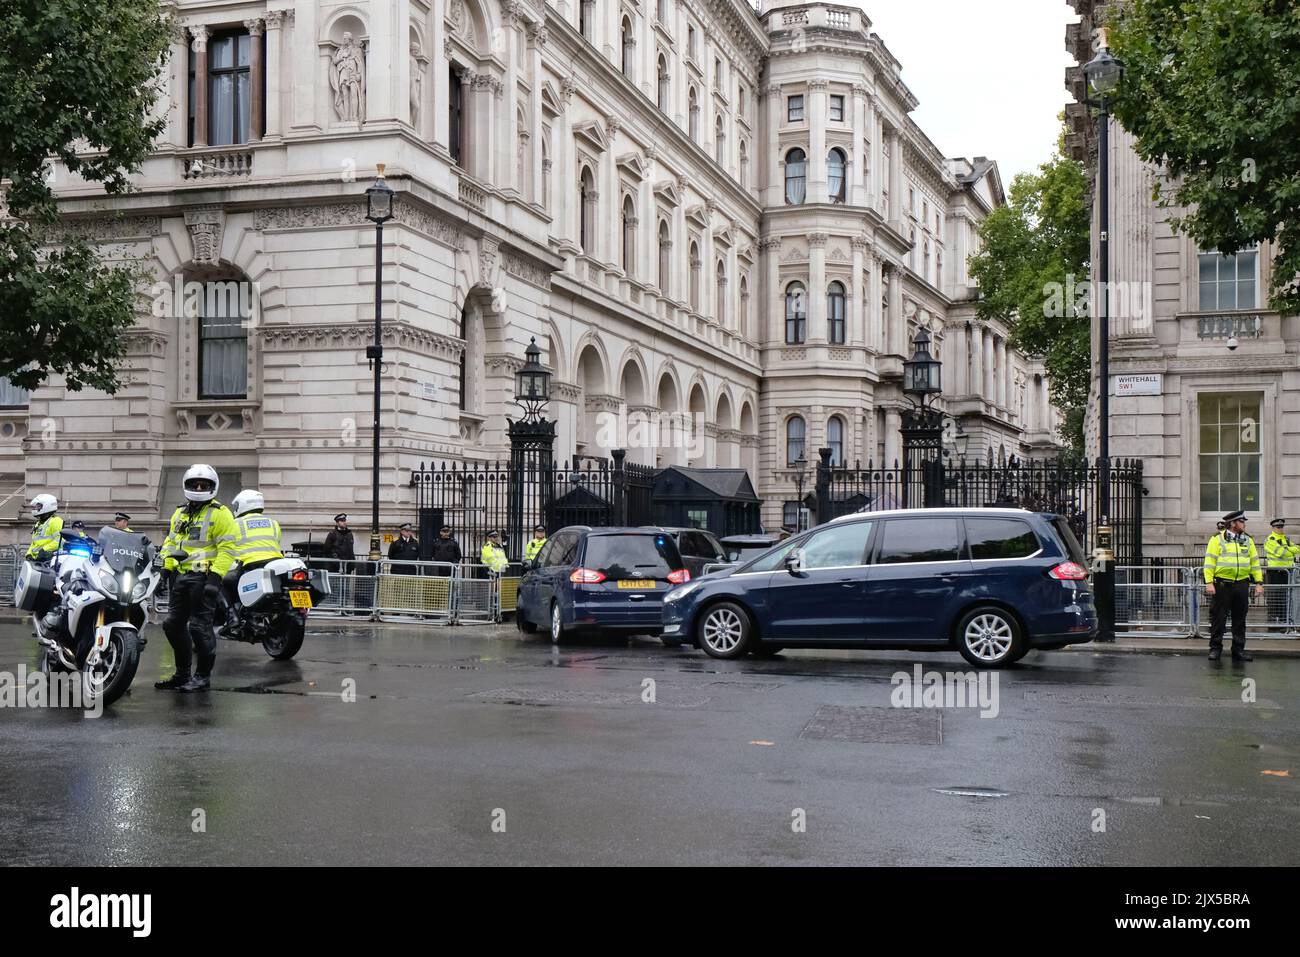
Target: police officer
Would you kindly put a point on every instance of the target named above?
(122, 522)
(493, 555)
(445, 549)
(45, 532)
(257, 541)
(197, 551)
(1231, 563)
(1279, 556)
(406, 546)
(535, 544)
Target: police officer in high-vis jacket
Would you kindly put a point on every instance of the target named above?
(1231, 563)
(257, 541)
(45, 533)
(535, 544)
(1279, 557)
(197, 552)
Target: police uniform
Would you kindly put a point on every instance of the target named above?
(256, 541)
(1279, 557)
(199, 549)
(493, 555)
(45, 538)
(1231, 564)
(534, 547)
(407, 548)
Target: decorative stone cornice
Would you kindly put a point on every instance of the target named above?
(503, 362)
(107, 228)
(565, 391)
(357, 335)
(527, 270)
(819, 84)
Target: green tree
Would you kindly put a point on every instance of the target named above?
(1032, 271)
(80, 83)
(1212, 96)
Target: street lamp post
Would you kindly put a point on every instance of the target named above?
(1104, 73)
(379, 210)
(801, 473)
(923, 425)
(532, 442)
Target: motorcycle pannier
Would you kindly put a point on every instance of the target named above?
(257, 586)
(34, 588)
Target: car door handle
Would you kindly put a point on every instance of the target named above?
(848, 582)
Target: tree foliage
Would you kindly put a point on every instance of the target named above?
(80, 85)
(1032, 271)
(1212, 96)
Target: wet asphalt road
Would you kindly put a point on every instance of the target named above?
(455, 730)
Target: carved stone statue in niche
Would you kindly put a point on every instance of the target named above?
(417, 88)
(348, 81)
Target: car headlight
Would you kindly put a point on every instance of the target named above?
(681, 591)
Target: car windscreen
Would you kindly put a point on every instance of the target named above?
(124, 551)
(1072, 546)
(744, 552)
(632, 556)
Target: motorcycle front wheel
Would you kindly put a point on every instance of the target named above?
(110, 679)
(284, 638)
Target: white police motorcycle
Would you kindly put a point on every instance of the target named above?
(273, 604)
(89, 604)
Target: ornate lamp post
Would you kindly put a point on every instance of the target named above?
(1104, 73)
(379, 210)
(922, 427)
(532, 441)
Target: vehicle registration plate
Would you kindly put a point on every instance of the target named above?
(637, 583)
(300, 598)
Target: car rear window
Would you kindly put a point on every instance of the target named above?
(1068, 539)
(632, 556)
(920, 540)
(1000, 538)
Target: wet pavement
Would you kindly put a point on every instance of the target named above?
(469, 745)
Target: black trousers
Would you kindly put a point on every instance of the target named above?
(1229, 598)
(1276, 595)
(189, 623)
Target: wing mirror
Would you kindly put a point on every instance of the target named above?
(794, 562)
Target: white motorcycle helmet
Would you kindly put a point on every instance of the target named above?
(198, 473)
(44, 504)
(249, 500)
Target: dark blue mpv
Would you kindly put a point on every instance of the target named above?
(610, 581)
(991, 583)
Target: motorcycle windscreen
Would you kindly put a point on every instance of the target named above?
(124, 551)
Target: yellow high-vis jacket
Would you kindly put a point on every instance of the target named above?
(200, 541)
(1231, 560)
(533, 548)
(1279, 552)
(494, 557)
(257, 538)
(45, 537)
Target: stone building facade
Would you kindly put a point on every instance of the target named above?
(721, 226)
(1205, 378)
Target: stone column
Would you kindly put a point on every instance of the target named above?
(438, 92)
(895, 177)
(856, 309)
(957, 352)
(771, 332)
(817, 287)
(775, 191)
(1000, 364)
(199, 45)
(990, 390)
(174, 104)
(863, 117)
(976, 347)
(708, 268)
(647, 239)
(681, 262)
(817, 112)
(613, 219)
(257, 80)
(733, 304)
(275, 60)
(893, 437)
(875, 305)
(537, 41)
(897, 321)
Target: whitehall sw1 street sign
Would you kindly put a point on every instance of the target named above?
(1139, 383)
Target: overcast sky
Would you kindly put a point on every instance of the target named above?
(989, 74)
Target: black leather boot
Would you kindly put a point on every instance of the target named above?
(197, 683)
(1216, 654)
(171, 684)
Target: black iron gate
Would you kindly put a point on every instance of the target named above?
(1067, 488)
(475, 497)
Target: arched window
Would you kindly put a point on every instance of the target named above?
(587, 18)
(835, 314)
(695, 277)
(796, 177)
(587, 212)
(835, 175)
(223, 310)
(629, 48)
(796, 313)
(720, 307)
(629, 236)
(835, 439)
(719, 142)
(742, 318)
(665, 250)
(795, 431)
(663, 84)
(693, 102)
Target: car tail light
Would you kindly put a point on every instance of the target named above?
(299, 575)
(586, 576)
(679, 577)
(1069, 571)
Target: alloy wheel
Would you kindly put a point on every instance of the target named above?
(989, 637)
(722, 630)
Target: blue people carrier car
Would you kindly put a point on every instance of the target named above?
(610, 581)
(991, 583)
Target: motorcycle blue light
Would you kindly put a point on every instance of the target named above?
(78, 550)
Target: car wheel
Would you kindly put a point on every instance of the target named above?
(557, 624)
(725, 631)
(990, 637)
